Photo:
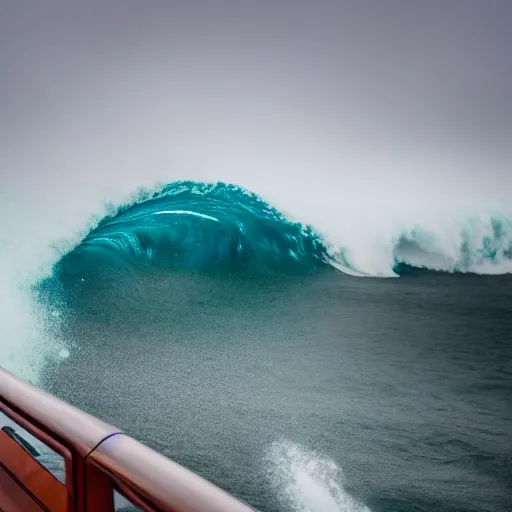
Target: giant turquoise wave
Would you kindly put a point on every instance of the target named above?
(197, 226)
(218, 228)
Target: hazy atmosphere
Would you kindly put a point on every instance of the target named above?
(386, 96)
(384, 124)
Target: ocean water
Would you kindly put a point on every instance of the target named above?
(250, 349)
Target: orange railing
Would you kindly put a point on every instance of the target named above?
(101, 466)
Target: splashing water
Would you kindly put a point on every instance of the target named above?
(309, 482)
(193, 225)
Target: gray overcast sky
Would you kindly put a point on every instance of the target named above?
(385, 93)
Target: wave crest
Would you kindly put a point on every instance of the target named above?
(223, 227)
(201, 226)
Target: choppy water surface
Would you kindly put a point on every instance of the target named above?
(208, 325)
(310, 393)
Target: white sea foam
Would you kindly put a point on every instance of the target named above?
(307, 481)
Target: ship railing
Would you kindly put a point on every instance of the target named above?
(57, 458)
